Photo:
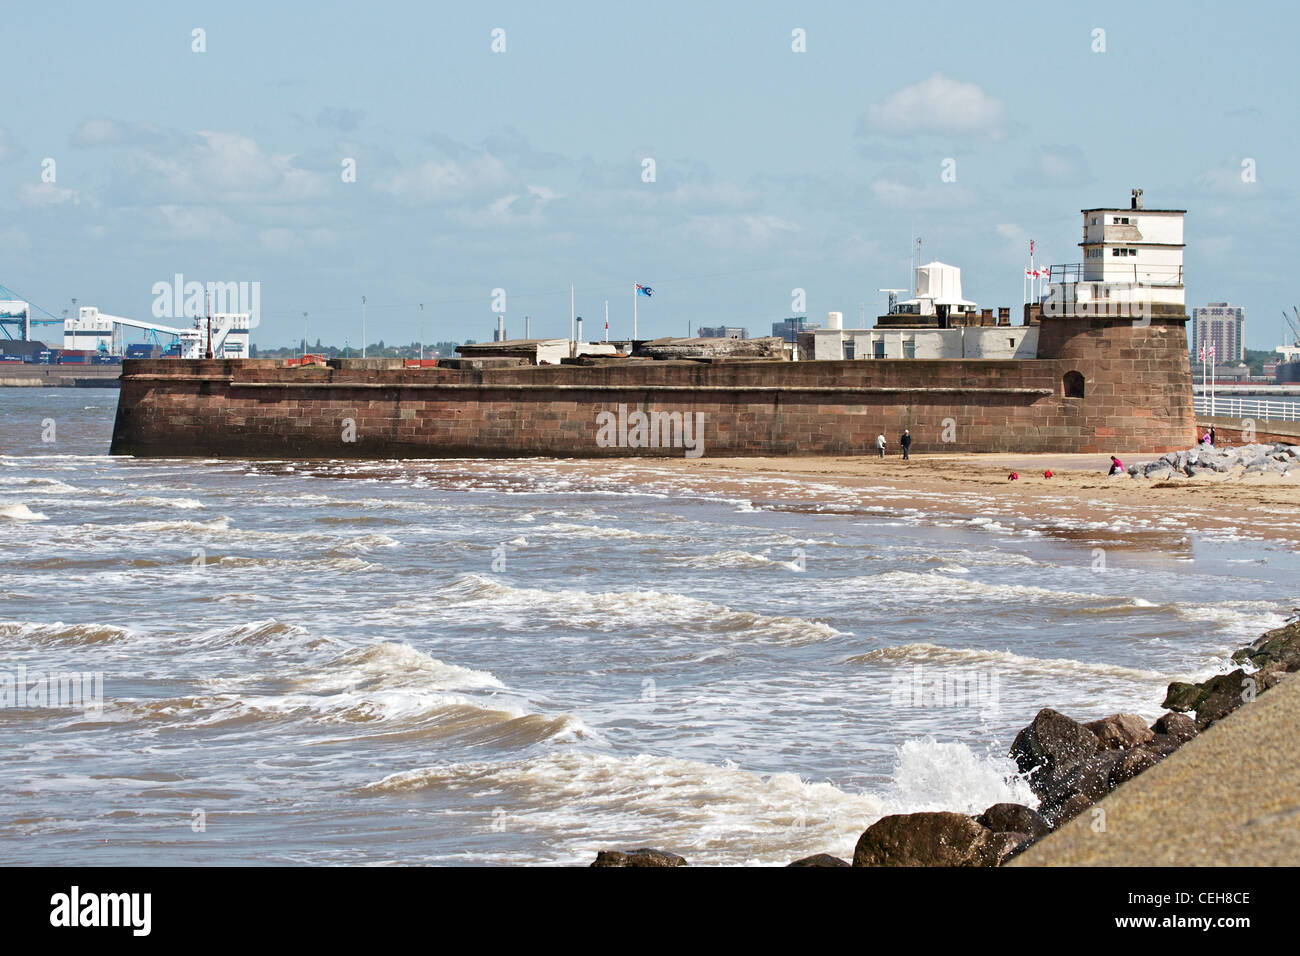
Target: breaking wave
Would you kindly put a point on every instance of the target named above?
(615, 610)
(59, 633)
(1061, 668)
(713, 814)
(20, 512)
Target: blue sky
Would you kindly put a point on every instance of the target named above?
(522, 170)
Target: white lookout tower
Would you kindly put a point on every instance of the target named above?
(1129, 255)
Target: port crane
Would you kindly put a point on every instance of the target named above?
(1295, 326)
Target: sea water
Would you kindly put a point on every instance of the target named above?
(505, 662)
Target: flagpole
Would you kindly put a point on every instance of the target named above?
(1212, 381)
(633, 311)
(607, 320)
(572, 323)
(1032, 274)
(1204, 380)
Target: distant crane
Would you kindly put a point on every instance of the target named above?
(16, 314)
(1295, 326)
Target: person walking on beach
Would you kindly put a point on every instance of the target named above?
(880, 444)
(906, 442)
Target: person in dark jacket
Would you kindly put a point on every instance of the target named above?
(906, 442)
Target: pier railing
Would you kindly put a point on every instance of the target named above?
(1264, 409)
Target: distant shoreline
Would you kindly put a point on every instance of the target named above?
(14, 375)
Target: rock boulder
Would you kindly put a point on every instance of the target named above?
(1120, 731)
(819, 859)
(1014, 818)
(928, 839)
(643, 857)
(1050, 747)
(1179, 726)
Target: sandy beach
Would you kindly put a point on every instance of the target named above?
(1079, 494)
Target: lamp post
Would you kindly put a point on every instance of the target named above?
(304, 336)
(363, 326)
(421, 331)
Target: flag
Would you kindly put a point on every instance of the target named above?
(644, 290)
(1202, 353)
(1031, 248)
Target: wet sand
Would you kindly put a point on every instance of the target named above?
(1256, 507)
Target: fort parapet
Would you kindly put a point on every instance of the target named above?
(1099, 384)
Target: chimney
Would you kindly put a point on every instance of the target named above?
(579, 320)
(1004, 315)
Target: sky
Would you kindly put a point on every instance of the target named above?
(524, 168)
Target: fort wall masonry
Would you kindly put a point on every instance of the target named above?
(1098, 385)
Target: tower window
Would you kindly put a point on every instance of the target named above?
(1072, 384)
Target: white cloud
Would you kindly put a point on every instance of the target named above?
(938, 105)
(48, 194)
(196, 222)
(712, 193)
(225, 167)
(101, 131)
(448, 181)
(937, 195)
(1225, 181)
(281, 240)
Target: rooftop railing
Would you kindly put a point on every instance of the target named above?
(1117, 271)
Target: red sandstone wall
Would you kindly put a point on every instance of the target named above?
(1137, 399)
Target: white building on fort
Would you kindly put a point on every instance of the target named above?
(1132, 259)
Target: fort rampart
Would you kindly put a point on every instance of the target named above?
(1098, 385)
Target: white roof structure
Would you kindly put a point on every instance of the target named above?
(937, 283)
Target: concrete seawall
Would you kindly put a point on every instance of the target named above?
(1231, 430)
(1135, 384)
